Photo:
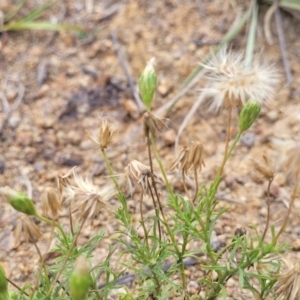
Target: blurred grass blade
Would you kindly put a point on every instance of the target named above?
(37, 12)
(191, 79)
(251, 36)
(38, 26)
(228, 37)
(13, 11)
(292, 4)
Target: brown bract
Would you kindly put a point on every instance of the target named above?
(288, 285)
(26, 228)
(189, 158)
(105, 136)
(51, 204)
(153, 124)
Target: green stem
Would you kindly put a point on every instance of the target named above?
(51, 222)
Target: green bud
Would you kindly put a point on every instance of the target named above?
(80, 280)
(3, 285)
(18, 200)
(248, 115)
(147, 84)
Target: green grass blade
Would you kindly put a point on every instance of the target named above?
(38, 26)
(228, 37)
(191, 79)
(251, 37)
(37, 12)
(14, 11)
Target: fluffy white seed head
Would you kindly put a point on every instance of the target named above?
(232, 83)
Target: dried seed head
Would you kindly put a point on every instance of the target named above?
(106, 135)
(265, 168)
(190, 158)
(135, 169)
(181, 162)
(153, 124)
(288, 284)
(195, 159)
(290, 158)
(28, 229)
(18, 200)
(232, 83)
(63, 180)
(50, 203)
(86, 199)
(139, 174)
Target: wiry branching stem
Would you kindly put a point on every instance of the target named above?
(142, 220)
(293, 198)
(268, 209)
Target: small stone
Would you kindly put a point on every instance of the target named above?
(169, 137)
(68, 159)
(131, 108)
(272, 116)
(248, 139)
(296, 245)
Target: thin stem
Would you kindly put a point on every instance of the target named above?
(142, 220)
(185, 186)
(71, 219)
(268, 209)
(17, 287)
(153, 184)
(43, 264)
(196, 184)
(227, 138)
(66, 259)
(294, 196)
(110, 169)
(56, 224)
(156, 209)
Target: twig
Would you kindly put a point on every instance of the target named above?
(124, 65)
(283, 48)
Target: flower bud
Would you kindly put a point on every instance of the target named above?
(248, 115)
(18, 200)
(80, 280)
(3, 285)
(147, 84)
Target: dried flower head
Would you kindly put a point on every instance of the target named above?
(50, 202)
(290, 158)
(139, 174)
(28, 229)
(288, 285)
(266, 168)
(232, 83)
(190, 158)
(86, 199)
(153, 124)
(106, 134)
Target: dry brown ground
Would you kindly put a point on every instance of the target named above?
(70, 81)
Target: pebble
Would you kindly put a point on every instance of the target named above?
(272, 116)
(169, 137)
